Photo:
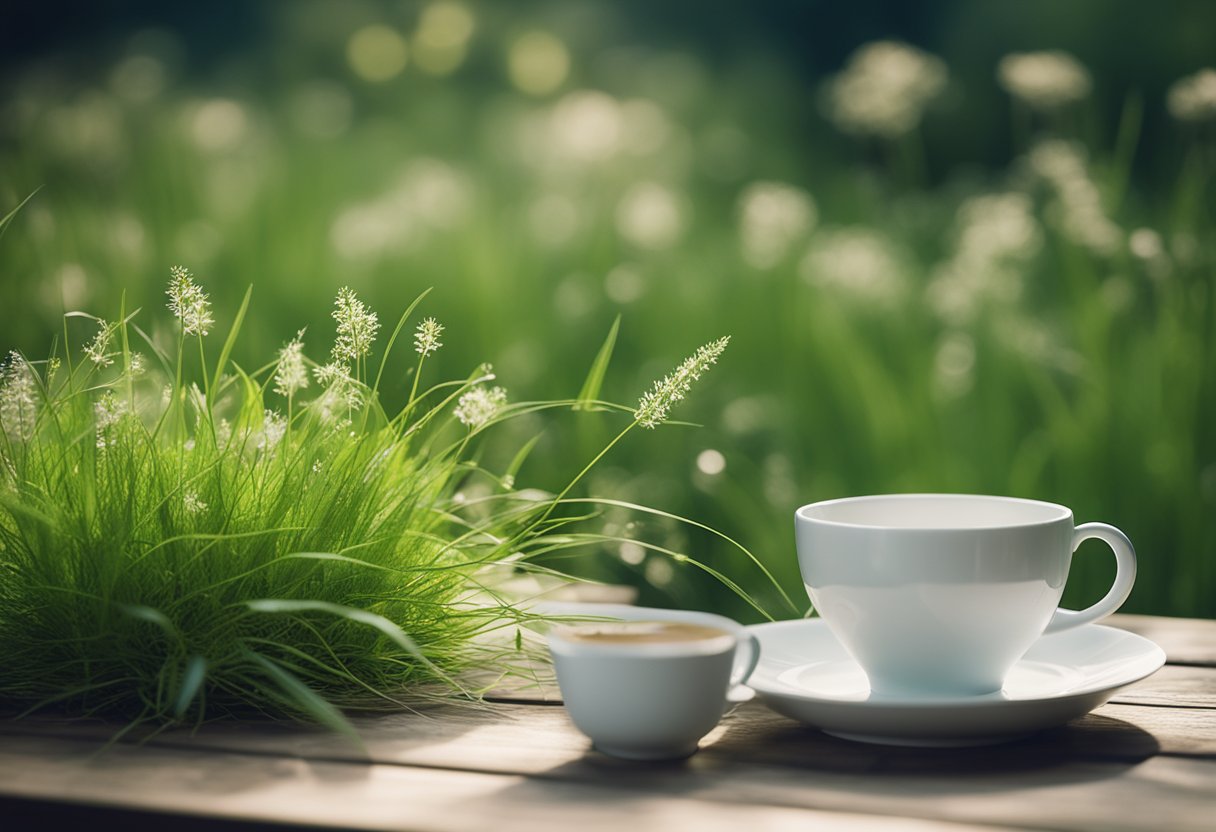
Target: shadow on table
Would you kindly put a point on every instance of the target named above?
(1091, 739)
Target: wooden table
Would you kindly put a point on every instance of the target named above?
(1147, 760)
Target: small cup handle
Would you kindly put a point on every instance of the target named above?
(1125, 576)
(743, 669)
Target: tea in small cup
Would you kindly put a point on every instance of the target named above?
(941, 594)
(648, 690)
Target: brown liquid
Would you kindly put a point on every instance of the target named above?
(641, 632)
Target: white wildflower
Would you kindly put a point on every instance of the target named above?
(884, 89)
(1193, 98)
(137, 365)
(338, 400)
(855, 261)
(108, 411)
(997, 236)
(290, 376)
(274, 426)
(18, 402)
(584, 127)
(98, 350)
(1044, 80)
(650, 215)
(954, 366)
(657, 402)
(479, 405)
(426, 337)
(332, 373)
(192, 503)
(357, 327)
(1145, 243)
(188, 303)
(1078, 203)
(773, 217)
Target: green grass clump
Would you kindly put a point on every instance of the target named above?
(173, 547)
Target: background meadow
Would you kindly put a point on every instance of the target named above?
(943, 267)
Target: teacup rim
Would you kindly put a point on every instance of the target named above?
(709, 646)
(801, 515)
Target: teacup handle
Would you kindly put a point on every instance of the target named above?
(743, 669)
(1125, 576)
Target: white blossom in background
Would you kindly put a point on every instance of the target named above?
(441, 40)
(854, 261)
(274, 427)
(98, 350)
(773, 217)
(650, 216)
(538, 63)
(997, 236)
(1034, 341)
(1147, 246)
(711, 462)
(217, 125)
(884, 89)
(1193, 98)
(954, 366)
(188, 302)
(1078, 206)
(291, 376)
(426, 337)
(657, 402)
(108, 411)
(192, 503)
(18, 398)
(1044, 80)
(586, 127)
(137, 365)
(479, 405)
(428, 197)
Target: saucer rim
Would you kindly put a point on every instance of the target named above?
(986, 700)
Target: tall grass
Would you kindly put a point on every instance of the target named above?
(181, 539)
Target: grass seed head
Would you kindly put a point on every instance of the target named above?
(188, 302)
(656, 403)
(357, 327)
(290, 377)
(479, 405)
(18, 402)
(426, 337)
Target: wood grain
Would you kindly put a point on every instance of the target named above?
(1147, 760)
(385, 797)
(1185, 640)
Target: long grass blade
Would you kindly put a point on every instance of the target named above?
(599, 368)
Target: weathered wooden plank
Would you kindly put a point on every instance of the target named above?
(710, 791)
(384, 797)
(529, 739)
(1185, 640)
(1178, 686)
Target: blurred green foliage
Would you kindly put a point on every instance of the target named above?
(1044, 327)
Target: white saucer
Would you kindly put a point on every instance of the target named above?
(806, 674)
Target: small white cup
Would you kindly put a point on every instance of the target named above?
(941, 594)
(651, 701)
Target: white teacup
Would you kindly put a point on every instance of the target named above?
(643, 695)
(941, 594)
